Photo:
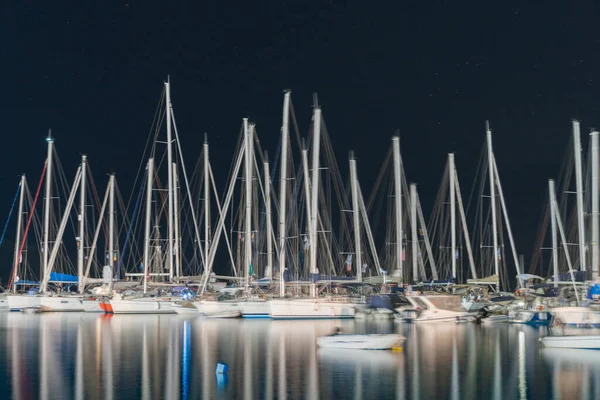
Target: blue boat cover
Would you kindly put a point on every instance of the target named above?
(62, 278)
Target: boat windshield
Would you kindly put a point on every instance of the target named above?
(449, 303)
(420, 303)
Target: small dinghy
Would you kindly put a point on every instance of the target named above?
(361, 342)
(572, 342)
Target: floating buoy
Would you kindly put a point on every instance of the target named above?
(398, 348)
(221, 368)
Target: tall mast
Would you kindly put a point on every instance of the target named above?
(206, 202)
(315, 196)
(595, 205)
(170, 178)
(452, 211)
(554, 233)
(283, 189)
(269, 269)
(148, 226)
(81, 238)
(17, 258)
(398, 204)
(356, 217)
(413, 227)
(492, 195)
(111, 227)
(579, 190)
(177, 246)
(248, 131)
(48, 194)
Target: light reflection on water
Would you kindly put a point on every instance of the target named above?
(87, 356)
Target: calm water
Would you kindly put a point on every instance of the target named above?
(86, 356)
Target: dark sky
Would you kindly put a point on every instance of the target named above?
(434, 70)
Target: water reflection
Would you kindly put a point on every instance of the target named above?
(81, 356)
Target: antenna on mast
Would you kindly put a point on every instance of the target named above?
(315, 100)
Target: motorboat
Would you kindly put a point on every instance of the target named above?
(362, 342)
(572, 342)
(434, 308)
(530, 317)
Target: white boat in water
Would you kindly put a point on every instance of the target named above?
(142, 305)
(310, 309)
(434, 308)
(363, 342)
(17, 302)
(62, 303)
(576, 317)
(185, 308)
(572, 342)
(92, 305)
(46, 303)
(254, 308)
(218, 309)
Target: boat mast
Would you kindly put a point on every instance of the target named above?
(267, 172)
(492, 197)
(17, 258)
(579, 191)
(452, 211)
(356, 217)
(81, 238)
(413, 227)
(206, 201)
(111, 228)
(595, 205)
(148, 220)
(48, 194)
(248, 131)
(315, 197)
(170, 178)
(554, 235)
(398, 204)
(283, 188)
(177, 251)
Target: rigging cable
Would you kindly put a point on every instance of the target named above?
(10, 213)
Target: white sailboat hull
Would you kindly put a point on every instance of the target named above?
(363, 342)
(218, 309)
(572, 342)
(18, 302)
(310, 309)
(61, 304)
(187, 309)
(577, 317)
(142, 306)
(92, 305)
(254, 309)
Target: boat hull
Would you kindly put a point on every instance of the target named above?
(530, 317)
(361, 342)
(310, 309)
(141, 306)
(218, 309)
(61, 304)
(18, 302)
(92, 306)
(577, 317)
(572, 342)
(254, 309)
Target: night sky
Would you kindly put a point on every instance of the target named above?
(434, 70)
